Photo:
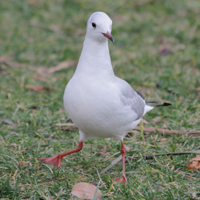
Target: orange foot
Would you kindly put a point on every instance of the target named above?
(55, 160)
(122, 180)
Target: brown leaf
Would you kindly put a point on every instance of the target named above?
(85, 191)
(39, 88)
(194, 163)
(61, 65)
(22, 163)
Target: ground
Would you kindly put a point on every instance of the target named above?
(156, 51)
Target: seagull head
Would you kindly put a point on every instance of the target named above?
(99, 27)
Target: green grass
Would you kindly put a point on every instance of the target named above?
(40, 34)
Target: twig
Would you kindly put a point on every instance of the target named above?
(146, 157)
(167, 131)
(147, 129)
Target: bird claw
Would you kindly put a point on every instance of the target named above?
(55, 160)
(122, 180)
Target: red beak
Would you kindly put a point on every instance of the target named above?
(109, 36)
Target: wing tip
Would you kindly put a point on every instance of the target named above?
(166, 104)
(155, 104)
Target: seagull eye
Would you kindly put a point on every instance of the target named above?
(94, 25)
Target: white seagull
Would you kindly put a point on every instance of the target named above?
(99, 103)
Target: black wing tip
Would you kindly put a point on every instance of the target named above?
(156, 104)
(166, 104)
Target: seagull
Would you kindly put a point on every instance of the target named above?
(99, 103)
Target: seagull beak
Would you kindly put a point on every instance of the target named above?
(109, 36)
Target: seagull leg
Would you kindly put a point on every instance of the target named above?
(56, 160)
(122, 180)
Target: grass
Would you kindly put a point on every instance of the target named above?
(36, 35)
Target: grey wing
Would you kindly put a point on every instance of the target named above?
(131, 98)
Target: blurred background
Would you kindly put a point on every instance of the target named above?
(156, 50)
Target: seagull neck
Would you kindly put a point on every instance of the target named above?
(95, 59)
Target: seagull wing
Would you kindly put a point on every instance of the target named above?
(131, 98)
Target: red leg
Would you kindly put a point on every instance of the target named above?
(122, 180)
(56, 160)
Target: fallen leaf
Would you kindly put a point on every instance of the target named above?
(194, 163)
(61, 65)
(22, 163)
(39, 88)
(86, 191)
